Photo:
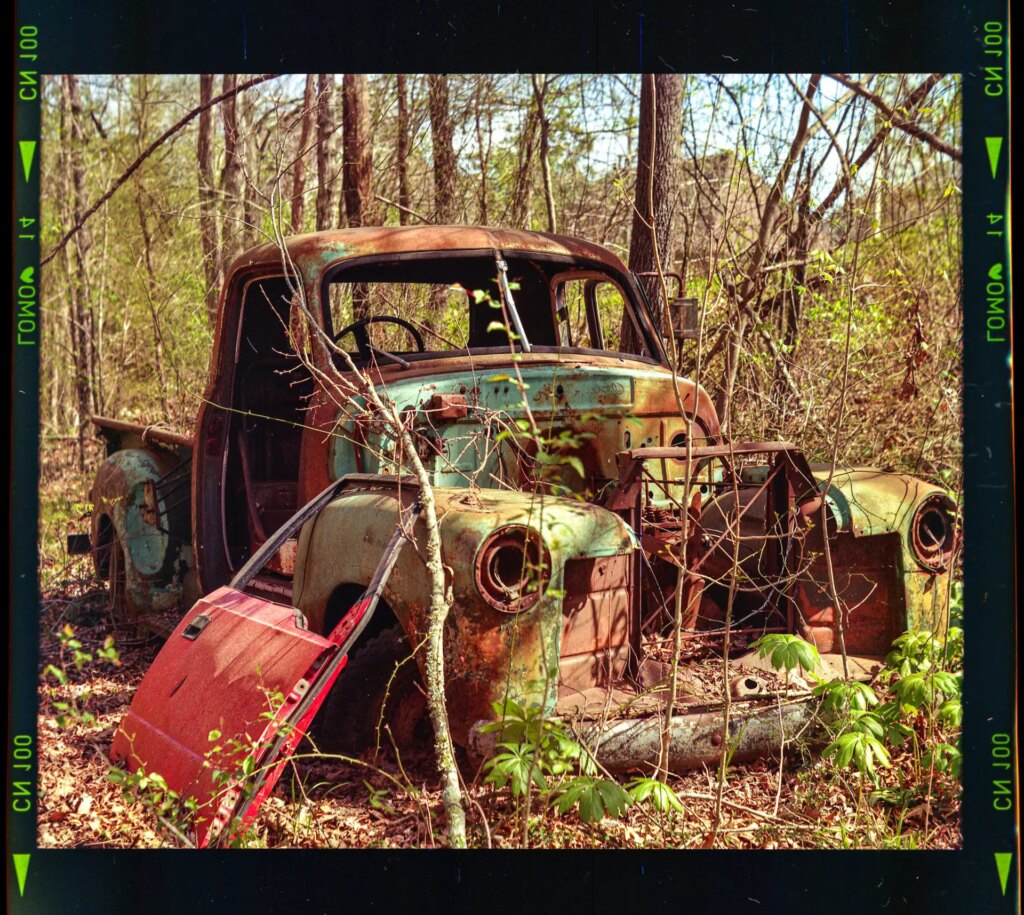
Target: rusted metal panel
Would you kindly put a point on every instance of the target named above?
(596, 620)
(319, 248)
(202, 705)
(488, 653)
(123, 434)
(141, 511)
(867, 578)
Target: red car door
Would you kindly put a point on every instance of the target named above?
(235, 687)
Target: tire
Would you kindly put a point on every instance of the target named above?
(381, 676)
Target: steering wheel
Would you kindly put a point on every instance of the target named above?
(358, 330)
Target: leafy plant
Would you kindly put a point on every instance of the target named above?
(539, 754)
(595, 797)
(862, 749)
(70, 701)
(659, 794)
(788, 652)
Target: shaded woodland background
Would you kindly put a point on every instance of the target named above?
(815, 218)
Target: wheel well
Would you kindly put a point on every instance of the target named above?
(342, 600)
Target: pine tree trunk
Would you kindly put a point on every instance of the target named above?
(356, 168)
(402, 150)
(233, 209)
(444, 173)
(299, 169)
(444, 152)
(357, 151)
(324, 130)
(208, 242)
(651, 238)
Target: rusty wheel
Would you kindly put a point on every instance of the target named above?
(378, 692)
(115, 565)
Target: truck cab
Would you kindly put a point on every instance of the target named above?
(584, 489)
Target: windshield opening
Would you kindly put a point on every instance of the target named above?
(416, 306)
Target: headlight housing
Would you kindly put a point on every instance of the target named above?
(933, 533)
(512, 568)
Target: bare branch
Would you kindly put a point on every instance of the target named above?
(146, 153)
(900, 123)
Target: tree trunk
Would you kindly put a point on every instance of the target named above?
(299, 169)
(324, 130)
(651, 239)
(249, 162)
(233, 211)
(444, 152)
(79, 311)
(152, 284)
(540, 91)
(444, 175)
(356, 168)
(483, 151)
(357, 151)
(519, 211)
(402, 151)
(208, 241)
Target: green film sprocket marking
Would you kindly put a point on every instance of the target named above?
(21, 869)
(994, 146)
(28, 151)
(1003, 860)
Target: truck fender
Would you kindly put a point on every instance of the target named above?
(489, 653)
(141, 505)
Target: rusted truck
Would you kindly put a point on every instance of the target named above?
(569, 465)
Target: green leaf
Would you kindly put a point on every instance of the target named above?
(591, 806)
(614, 796)
(575, 463)
(662, 796)
(951, 712)
(57, 674)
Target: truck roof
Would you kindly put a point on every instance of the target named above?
(337, 244)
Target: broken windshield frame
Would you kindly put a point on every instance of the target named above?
(633, 301)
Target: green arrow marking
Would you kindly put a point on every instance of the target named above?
(1003, 866)
(21, 869)
(28, 151)
(995, 146)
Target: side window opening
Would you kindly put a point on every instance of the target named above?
(589, 312)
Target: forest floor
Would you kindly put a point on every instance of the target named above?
(326, 801)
